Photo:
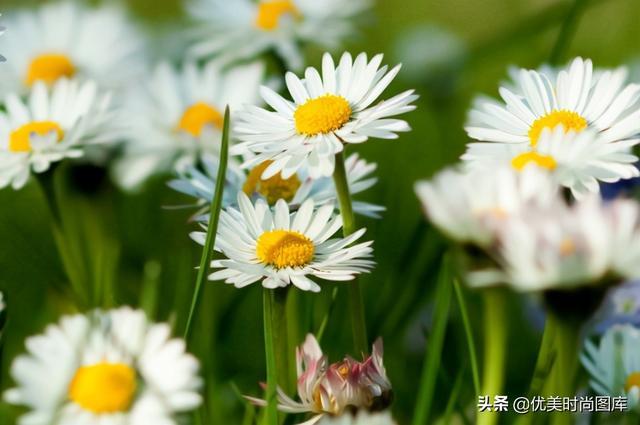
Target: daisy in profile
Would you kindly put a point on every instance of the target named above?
(588, 243)
(64, 40)
(333, 389)
(326, 113)
(469, 206)
(576, 160)
(178, 114)
(55, 123)
(281, 248)
(246, 29)
(107, 367)
(614, 364)
(200, 182)
(575, 98)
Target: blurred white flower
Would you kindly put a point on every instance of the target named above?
(362, 418)
(178, 114)
(330, 389)
(57, 122)
(614, 364)
(245, 29)
(105, 368)
(567, 246)
(575, 98)
(65, 39)
(326, 113)
(577, 161)
(469, 206)
(281, 248)
(199, 182)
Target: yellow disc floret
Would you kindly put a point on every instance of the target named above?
(322, 115)
(284, 248)
(104, 387)
(542, 161)
(270, 12)
(49, 68)
(571, 121)
(20, 139)
(198, 116)
(633, 380)
(273, 188)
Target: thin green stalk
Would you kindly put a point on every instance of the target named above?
(325, 319)
(268, 302)
(546, 357)
(280, 337)
(433, 354)
(212, 229)
(454, 396)
(495, 346)
(356, 306)
(567, 31)
(563, 374)
(473, 359)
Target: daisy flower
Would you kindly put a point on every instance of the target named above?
(282, 248)
(55, 123)
(614, 364)
(469, 206)
(246, 29)
(589, 243)
(64, 40)
(177, 114)
(331, 389)
(326, 113)
(575, 98)
(200, 182)
(107, 367)
(576, 160)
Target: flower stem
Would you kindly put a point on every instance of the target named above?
(566, 32)
(546, 358)
(495, 344)
(562, 378)
(268, 301)
(280, 337)
(471, 346)
(212, 229)
(356, 306)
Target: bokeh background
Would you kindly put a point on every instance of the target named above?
(139, 251)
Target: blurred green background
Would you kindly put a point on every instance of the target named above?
(453, 49)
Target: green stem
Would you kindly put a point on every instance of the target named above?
(280, 337)
(567, 31)
(212, 229)
(473, 359)
(268, 302)
(435, 343)
(562, 377)
(356, 305)
(325, 319)
(546, 358)
(495, 345)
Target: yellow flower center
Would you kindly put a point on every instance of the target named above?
(273, 188)
(198, 116)
(542, 161)
(284, 248)
(104, 387)
(567, 247)
(633, 380)
(322, 115)
(270, 12)
(571, 121)
(49, 68)
(20, 139)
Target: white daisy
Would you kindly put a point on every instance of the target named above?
(577, 161)
(56, 123)
(332, 389)
(282, 248)
(105, 368)
(614, 364)
(566, 246)
(65, 39)
(200, 182)
(245, 29)
(574, 97)
(469, 206)
(326, 113)
(177, 114)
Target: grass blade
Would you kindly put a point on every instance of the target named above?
(473, 358)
